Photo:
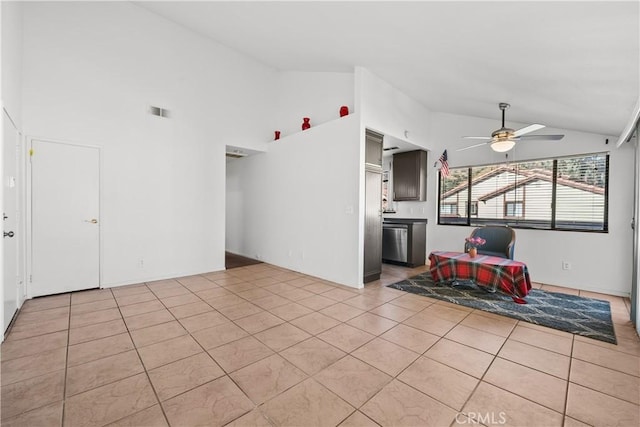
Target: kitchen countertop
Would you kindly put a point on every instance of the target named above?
(404, 220)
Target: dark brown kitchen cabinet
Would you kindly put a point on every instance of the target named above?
(373, 207)
(410, 176)
(373, 148)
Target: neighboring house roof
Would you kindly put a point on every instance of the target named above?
(530, 176)
(479, 179)
(536, 175)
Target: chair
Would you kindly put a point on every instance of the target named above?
(500, 241)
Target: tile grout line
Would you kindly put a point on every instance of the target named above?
(608, 367)
(403, 370)
(45, 373)
(227, 374)
(378, 336)
(66, 366)
(532, 345)
(243, 280)
(144, 367)
(495, 356)
(537, 370)
(566, 396)
(419, 355)
(312, 377)
(189, 333)
(589, 388)
(460, 411)
(66, 369)
(606, 394)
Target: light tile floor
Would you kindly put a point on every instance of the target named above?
(260, 345)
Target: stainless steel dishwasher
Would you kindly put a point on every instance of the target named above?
(394, 242)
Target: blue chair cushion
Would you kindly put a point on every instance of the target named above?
(500, 241)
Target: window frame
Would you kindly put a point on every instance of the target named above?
(514, 203)
(517, 221)
(454, 211)
(473, 208)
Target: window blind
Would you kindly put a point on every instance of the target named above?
(568, 193)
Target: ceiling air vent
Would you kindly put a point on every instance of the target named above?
(157, 111)
(236, 154)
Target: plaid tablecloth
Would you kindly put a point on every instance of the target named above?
(494, 273)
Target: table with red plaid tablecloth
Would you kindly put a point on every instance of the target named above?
(493, 273)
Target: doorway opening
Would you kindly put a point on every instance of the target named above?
(235, 251)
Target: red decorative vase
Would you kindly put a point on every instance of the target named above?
(305, 123)
(277, 137)
(344, 111)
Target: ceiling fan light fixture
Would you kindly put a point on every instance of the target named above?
(504, 139)
(502, 145)
(502, 133)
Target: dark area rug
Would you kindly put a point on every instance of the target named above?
(570, 313)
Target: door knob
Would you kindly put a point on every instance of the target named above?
(92, 221)
(9, 234)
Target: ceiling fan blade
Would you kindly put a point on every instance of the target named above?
(477, 137)
(542, 137)
(528, 129)
(473, 146)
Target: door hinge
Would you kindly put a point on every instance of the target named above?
(31, 152)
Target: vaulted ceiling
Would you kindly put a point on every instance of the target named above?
(571, 65)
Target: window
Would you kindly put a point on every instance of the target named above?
(449, 209)
(453, 201)
(513, 209)
(569, 193)
(474, 208)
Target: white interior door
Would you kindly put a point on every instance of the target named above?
(635, 271)
(65, 213)
(10, 220)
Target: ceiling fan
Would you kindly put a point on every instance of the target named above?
(504, 139)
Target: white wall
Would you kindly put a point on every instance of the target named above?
(389, 111)
(298, 202)
(234, 206)
(11, 100)
(12, 60)
(316, 95)
(90, 72)
(600, 261)
(263, 210)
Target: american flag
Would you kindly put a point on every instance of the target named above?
(444, 166)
